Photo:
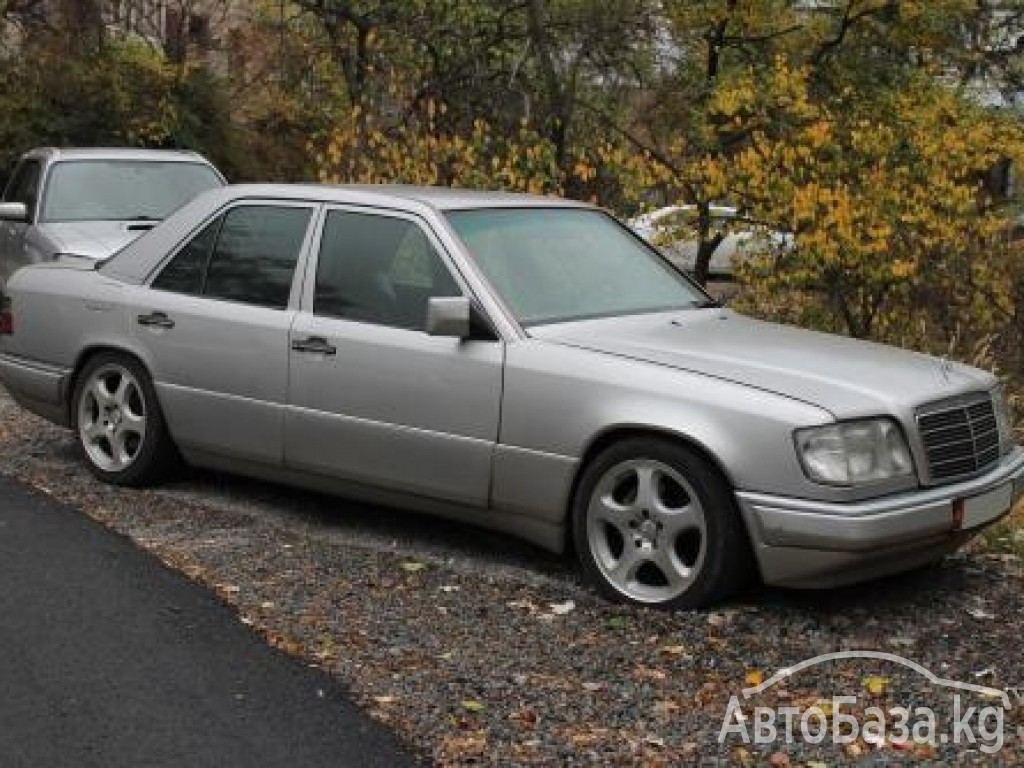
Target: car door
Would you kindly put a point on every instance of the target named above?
(22, 188)
(214, 322)
(373, 397)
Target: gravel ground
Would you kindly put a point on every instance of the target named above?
(481, 651)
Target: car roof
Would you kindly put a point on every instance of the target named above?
(54, 154)
(141, 256)
(395, 195)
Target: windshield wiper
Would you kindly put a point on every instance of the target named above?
(143, 222)
(707, 304)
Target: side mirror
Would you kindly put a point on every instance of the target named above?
(13, 212)
(448, 316)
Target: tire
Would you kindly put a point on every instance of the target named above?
(655, 524)
(118, 422)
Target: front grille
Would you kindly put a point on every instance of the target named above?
(961, 436)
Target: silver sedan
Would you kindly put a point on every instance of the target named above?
(522, 363)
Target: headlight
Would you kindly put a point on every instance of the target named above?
(854, 452)
(1004, 419)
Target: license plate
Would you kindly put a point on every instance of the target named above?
(982, 509)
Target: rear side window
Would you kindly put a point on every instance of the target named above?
(186, 271)
(248, 255)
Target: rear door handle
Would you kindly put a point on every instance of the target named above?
(156, 320)
(314, 345)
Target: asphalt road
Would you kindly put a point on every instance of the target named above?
(107, 659)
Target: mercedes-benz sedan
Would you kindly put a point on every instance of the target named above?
(522, 363)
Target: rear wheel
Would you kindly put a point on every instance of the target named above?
(655, 524)
(118, 421)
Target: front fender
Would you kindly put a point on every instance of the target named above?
(560, 400)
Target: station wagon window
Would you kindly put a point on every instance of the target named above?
(378, 269)
(248, 255)
(122, 190)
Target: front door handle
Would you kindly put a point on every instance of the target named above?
(156, 320)
(314, 345)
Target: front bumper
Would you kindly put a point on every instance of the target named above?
(800, 542)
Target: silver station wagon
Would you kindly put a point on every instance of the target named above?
(92, 202)
(522, 363)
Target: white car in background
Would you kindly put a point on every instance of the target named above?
(674, 231)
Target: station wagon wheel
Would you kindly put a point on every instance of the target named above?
(118, 421)
(655, 524)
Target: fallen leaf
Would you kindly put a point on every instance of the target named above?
(471, 705)
(458, 747)
(524, 605)
(385, 699)
(648, 674)
(674, 650)
(411, 566)
(876, 686)
(561, 609)
(902, 642)
(743, 756)
(754, 677)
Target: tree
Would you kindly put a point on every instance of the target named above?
(892, 220)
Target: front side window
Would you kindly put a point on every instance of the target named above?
(557, 264)
(122, 190)
(248, 255)
(24, 185)
(378, 269)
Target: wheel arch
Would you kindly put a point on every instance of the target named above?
(86, 354)
(621, 432)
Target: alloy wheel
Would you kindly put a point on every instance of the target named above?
(112, 418)
(646, 530)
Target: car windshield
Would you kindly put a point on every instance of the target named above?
(122, 190)
(553, 265)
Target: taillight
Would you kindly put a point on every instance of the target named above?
(6, 316)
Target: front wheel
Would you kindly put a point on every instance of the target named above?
(118, 421)
(655, 524)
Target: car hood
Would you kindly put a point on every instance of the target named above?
(846, 377)
(93, 239)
